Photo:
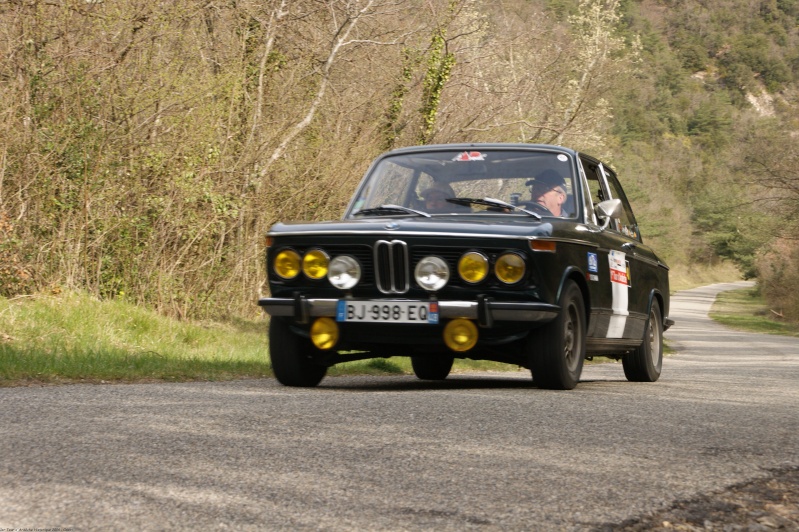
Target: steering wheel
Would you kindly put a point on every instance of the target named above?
(535, 207)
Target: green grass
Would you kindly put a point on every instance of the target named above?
(746, 310)
(71, 337)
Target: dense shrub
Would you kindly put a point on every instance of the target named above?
(15, 279)
(778, 268)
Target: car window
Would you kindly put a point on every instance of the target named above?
(588, 205)
(596, 192)
(626, 222)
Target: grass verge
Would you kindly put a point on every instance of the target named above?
(684, 277)
(72, 337)
(746, 310)
(76, 338)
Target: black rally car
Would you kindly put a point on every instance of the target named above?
(518, 253)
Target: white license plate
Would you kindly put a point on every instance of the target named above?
(423, 312)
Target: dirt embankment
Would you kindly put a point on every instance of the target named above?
(761, 505)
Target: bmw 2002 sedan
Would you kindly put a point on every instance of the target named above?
(518, 253)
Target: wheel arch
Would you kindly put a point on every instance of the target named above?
(573, 273)
(656, 296)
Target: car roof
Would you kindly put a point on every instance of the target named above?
(482, 145)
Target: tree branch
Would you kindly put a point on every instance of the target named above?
(342, 34)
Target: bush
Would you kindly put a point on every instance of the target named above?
(778, 273)
(15, 278)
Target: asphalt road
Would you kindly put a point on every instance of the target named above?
(484, 451)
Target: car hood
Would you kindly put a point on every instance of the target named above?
(451, 226)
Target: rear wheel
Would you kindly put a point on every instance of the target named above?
(433, 368)
(645, 363)
(291, 357)
(557, 349)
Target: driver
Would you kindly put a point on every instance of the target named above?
(549, 191)
(435, 198)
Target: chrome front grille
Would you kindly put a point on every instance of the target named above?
(392, 266)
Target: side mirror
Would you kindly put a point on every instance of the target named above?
(607, 210)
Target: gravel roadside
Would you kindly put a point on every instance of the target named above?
(762, 505)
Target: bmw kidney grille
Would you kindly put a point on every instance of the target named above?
(392, 267)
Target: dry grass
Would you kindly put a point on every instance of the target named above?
(682, 277)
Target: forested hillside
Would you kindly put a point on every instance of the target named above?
(146, 147)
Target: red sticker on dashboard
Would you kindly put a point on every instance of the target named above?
(469, 156)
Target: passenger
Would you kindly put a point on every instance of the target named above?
(435, 198)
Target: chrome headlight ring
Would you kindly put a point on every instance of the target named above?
(432, 273)
(344, 272)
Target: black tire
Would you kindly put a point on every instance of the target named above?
(645, 363)
(291, 357)
(432, 368)
(557, 349)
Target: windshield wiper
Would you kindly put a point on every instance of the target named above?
(491, 202)
(391, 209)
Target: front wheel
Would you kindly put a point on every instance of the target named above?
(645, 363)
(432, 368)
(291, 357)
(557, 349)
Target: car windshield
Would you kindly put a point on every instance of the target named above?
(536, 183)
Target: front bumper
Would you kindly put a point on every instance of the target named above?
(485, 310)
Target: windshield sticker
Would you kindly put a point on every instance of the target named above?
(469, 156)
(562, 158)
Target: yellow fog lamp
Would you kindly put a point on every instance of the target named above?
(324, 333)
(460, 334)
(509, 268)
(287, 264)
(473, 267)
(315, 264)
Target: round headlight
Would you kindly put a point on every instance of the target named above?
(287, 264)
(509, 268)
(344, 272)
(473, 267)
(315, 263)
(432, 273)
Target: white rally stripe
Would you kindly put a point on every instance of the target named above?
(618, 283)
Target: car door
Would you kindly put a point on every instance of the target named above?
(632, 277)
(615, 311)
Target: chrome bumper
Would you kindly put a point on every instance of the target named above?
(485, 310)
